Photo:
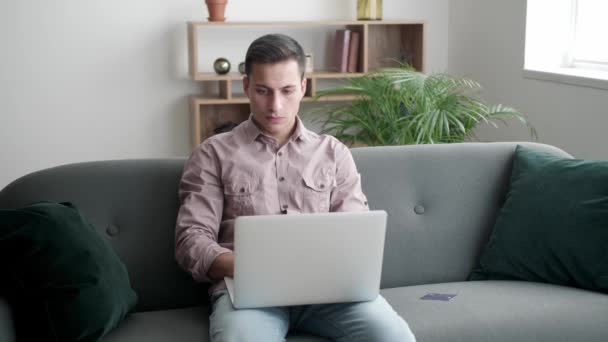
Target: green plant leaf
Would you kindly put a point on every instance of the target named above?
(403, 106)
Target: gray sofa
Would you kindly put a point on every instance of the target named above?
(442, 201)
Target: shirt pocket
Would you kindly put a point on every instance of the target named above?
(238, 197)
(317, 189)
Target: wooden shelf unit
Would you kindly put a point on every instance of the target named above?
(382, 44)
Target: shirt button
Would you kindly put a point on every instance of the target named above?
(322, 186)
(242, 190)
(280, 154)
(281, 179)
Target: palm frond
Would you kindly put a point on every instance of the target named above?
(403, 106)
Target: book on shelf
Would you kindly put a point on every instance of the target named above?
(353, 51)
(342, 45)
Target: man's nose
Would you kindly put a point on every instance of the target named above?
(276, 103)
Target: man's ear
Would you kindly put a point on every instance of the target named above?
(246, 85)
(304, 85)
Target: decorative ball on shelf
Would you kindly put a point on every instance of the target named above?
(242, 68)
(221, 66)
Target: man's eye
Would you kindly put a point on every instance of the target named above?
(288, 91)
(261, 91)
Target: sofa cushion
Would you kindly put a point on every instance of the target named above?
(442, 201)
(497, 311)
(177, 325)
(553, 226)
(63, 280)
(502, 311)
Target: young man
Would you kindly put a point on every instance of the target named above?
(271, 164)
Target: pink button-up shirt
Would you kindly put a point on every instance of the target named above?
(244, 172)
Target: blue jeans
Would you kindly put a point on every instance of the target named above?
(373, 321)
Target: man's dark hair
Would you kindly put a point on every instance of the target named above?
(274, 48)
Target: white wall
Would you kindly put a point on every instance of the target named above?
(88, 80)
(486, 40)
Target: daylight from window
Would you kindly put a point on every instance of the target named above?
(591, 30)
(566, 41)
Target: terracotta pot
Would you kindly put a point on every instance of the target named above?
(216, 9)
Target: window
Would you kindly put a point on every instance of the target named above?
(590, 49)
(566, 41)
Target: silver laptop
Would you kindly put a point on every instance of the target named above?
(300, 259)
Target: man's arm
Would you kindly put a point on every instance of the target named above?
(223, 266)
(347, 195)
(198, 221)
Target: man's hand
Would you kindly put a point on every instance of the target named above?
(223, 266)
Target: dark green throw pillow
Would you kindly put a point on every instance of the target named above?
(553, 226)
(62, 279)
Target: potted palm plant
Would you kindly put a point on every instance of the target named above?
(400, 106)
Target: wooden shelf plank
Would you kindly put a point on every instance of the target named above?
(198, 100)
(331, 98)
(306, 23)
(395, 22)
(211, 76)
(332, 74)
(205, 100)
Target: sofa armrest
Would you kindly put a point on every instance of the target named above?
(7, 326)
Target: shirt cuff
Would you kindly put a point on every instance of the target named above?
(211, 254)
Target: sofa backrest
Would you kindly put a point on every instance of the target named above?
(133, 203)
(441, 200)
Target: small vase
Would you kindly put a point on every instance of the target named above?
(369, 9)
(216, 9)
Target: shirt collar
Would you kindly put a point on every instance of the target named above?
(252, 131)
(300, 133)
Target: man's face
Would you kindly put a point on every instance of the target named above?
(275, 91)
